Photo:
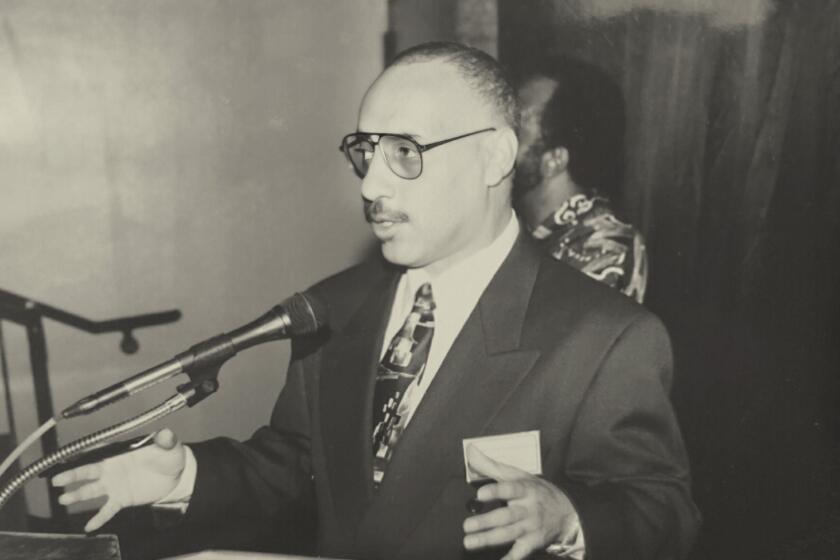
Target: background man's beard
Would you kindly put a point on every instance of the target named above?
(528, 174)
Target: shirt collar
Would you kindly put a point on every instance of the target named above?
(567, 214)
(463, 282)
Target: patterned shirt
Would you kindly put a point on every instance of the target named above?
(585, 234)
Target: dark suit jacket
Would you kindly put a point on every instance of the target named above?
(545, 349)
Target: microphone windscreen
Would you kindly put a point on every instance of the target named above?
(307, 314)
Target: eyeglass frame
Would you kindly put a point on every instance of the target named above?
(420, 147)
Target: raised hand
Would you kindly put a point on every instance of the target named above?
(140, 477)
(537, 513)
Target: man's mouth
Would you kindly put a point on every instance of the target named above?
(385, 224)
(386, 221)
(376, 214)
(384, 228)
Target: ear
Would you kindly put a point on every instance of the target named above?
(501, 149)
(554, 162)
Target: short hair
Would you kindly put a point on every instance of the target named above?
(483, 73)
(585, 115)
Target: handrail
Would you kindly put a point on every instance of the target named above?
(20, 309)
(30, 314)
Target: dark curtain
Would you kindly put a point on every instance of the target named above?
(732, 172)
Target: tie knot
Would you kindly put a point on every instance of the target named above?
(423, 300)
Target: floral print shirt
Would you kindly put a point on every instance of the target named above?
(585, 234)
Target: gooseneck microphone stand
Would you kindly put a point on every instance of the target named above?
(30, 314)
(298, 315)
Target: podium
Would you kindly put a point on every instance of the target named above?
(235, 555)
(25, 546)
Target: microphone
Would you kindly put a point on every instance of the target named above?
(298, 315)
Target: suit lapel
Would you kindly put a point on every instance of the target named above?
(481, 370)
(347, 377)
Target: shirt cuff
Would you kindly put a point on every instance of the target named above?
(179, 497)
(569, 544)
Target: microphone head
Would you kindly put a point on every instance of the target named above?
(307, 314)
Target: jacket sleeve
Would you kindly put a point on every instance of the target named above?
(627, 469)
(259, 477)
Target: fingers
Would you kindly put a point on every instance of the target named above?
(495, 537)
(496, 518)
(104, 515)
(481, 463)
(524, 547)
(86, 492)
(520, 522)
(512, 490)
(485, 466)
(79, 474)
(166, 439)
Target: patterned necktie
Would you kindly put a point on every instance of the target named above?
(403, 362)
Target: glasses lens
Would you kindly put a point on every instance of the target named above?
(403, 156)
(359, 152)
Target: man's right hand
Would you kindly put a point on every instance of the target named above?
(140, 477)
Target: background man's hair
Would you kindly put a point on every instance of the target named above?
(586, 116)
(480, 70)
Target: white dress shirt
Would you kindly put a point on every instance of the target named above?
(456, 292)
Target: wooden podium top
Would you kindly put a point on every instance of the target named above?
(25, 546)
(234, 555)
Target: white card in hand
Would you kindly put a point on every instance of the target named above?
(520, 450)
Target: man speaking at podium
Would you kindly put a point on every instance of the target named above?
(462, 331)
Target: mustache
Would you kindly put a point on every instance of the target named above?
(376, 211)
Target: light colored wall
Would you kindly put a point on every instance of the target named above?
(164, 154)
(417, 21)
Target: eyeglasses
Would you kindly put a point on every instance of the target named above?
(403, 155)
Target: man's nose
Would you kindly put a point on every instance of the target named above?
(379, 180)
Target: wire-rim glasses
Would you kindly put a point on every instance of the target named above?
(403, 154)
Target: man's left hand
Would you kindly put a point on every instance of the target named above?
(536, 514)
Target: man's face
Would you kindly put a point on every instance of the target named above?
(533, 95)
(432, 219)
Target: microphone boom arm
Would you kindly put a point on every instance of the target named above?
(202, 361)
(296, 316)
(80, 446)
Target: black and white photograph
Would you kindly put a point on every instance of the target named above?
(420, 279)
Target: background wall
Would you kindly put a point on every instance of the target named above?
(731, 173)
(174, 154)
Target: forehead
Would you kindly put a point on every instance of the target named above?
(424, 99)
